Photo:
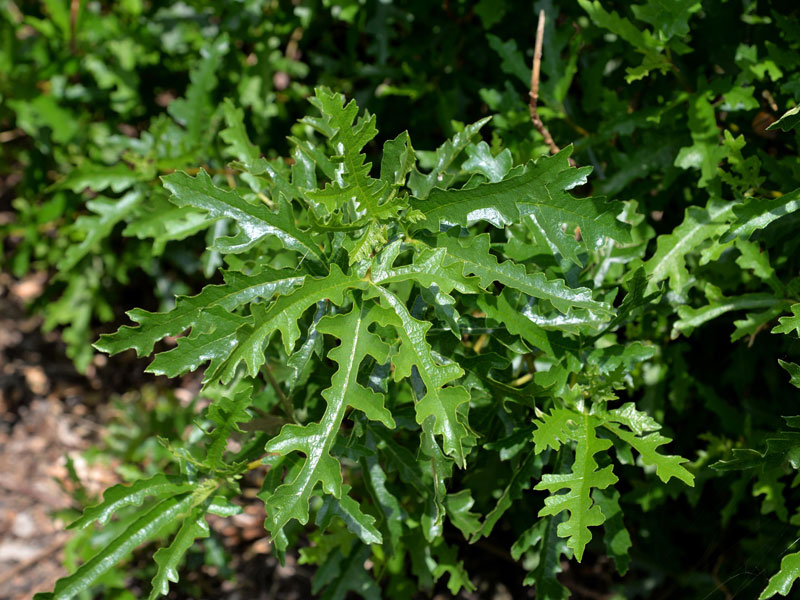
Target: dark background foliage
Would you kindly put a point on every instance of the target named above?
(89, 86)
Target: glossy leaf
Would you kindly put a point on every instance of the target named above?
(781, 583)
(758, 213)
(669, 260)
(255, 221)
(791, 324)
(585, 476)
(475, 259)
(238, 289)
(315, 441)
(119, 496)
(144, 528)
(168, 559)
(788, 121)
(442, 403)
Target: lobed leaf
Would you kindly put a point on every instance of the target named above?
(255, 221)
(281, 315)
(475, 259)
(441, 403)
(144, 528)
(421, 185)
(168, 559)
(315, 440)
(585, 475)
(96, 228)
(119, 496)
(669, 260)
(189, 311)
(667, 466)
(757, 213)
(789, 324)
(788, 121)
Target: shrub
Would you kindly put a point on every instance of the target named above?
(472, 339)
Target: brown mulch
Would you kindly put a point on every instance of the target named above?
(48, 412)
(43, 418)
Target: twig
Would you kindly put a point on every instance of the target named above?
(11, 134)
(534, 93)
(74, 10)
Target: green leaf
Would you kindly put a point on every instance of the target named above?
(793, 370)
(350, 513)
(226, 413)
(348, 138)
(705, 153)
(168, 559)
(162, 222)
(788, 121)
(616, 537)
(212, 340)
(421, 185)
(255, 221)
(481, 160)
(585, 475)
(118, 177)
(757, 213)
(691, 318)
(551, 549)
(398, 160)
(643, 41)
(440, 402)
(439, 469)
(315, 441)
(669, 260)
(195, 110)
(554, 429)
(447, 558)
(512, 61)
(343, 574)
(458, 506)
(429, 269)
(781, 583)
(507, 310)
(189, 311)
(391, 513)
(520, 481)
(782, 449)
(635, 299)
(667, 466)
(119, 496)
(141, 530)
(671, 18)
(96, 228)
(540, 194)
(281, 315)
(235, 135)
(788, 324)
(475, 259)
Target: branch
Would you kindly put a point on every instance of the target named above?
(534, 93)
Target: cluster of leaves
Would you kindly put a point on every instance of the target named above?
(470, 340)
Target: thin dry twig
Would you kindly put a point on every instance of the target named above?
(534, 93)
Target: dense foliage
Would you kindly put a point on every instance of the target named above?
(421, 349)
